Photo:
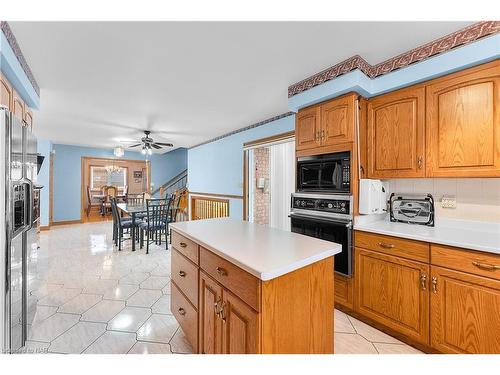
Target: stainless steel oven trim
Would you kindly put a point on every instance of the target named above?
(343, 197)
(318, 214)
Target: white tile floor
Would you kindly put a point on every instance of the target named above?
(91, 298)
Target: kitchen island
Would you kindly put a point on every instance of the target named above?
(239, 287)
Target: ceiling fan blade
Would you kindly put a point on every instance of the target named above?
(135, 145)
(155, 146)
(165, 144)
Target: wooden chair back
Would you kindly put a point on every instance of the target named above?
(110, 192)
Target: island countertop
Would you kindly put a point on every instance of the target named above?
(264, 252)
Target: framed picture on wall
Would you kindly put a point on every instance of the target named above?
(137, 174)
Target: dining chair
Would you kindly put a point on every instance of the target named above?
(155, 226)
(110, 192)
(120, 225)
(90, 204)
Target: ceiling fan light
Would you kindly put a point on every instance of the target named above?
(119, 152)
(143, 151)
(150, 152)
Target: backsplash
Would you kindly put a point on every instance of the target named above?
(477, 198)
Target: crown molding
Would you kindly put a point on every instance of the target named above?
(9, 35)
(458, 38)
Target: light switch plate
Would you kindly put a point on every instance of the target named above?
(448, 202)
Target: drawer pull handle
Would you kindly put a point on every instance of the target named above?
(182, 311)
(217, 306)
(222, 314)
(182, 274)
(423, 281)
(183, 244)
(221, 271)
(386, 245)
(486, 266)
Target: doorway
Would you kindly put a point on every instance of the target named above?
(270, 180)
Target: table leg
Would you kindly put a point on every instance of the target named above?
(132, 231)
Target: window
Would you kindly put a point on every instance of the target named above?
(100, 177)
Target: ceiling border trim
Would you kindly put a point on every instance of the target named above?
(257, 124)
(459, 38)
(9, 35)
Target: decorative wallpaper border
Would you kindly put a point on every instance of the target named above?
(271, 119)
(458, 38)
(4, 26)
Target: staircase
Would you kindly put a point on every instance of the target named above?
(174, 184)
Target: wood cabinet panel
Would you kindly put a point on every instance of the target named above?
(210, 325)
(465, 313)
(337, 121)
(240, 282)
(307, 128)
(396, 134)
(186, 315)
(28, 118)
(6, 93)
(343, 291)
(475, 262)
(240, 326)
(185, 276)
(18, 106)
(401, 247)
(463, 123)
(185, 246)
(393, 292)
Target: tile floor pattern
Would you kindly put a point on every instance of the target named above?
(91, 298)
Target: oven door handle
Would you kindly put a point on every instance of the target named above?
(347, 224)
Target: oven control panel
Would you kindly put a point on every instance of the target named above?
(332, 205)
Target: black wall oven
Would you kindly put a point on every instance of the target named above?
(329, 218)
(324, 173)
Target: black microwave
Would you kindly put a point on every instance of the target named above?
(329, 173)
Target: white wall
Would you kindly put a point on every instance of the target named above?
(477, 198)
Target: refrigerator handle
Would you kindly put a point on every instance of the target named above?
(31, 204)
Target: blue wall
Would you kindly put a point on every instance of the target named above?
(67, 174)
(43, 178)
(217, 167)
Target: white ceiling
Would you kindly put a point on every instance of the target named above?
(104, 82)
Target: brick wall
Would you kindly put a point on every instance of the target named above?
(261, 196)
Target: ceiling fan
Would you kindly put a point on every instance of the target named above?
(148, 144)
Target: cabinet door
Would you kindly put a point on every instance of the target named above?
(18, 106)
(396, 134)
(210, 325)
(240, 326)
(463, 124)
(5, 92)
(337, 121)
(465, 312)
(28, 118)
(307, 128)
(393, 292)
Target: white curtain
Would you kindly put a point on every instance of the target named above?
(281, 184)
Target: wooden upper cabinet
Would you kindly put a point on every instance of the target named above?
(396, 134)
(240, 327)
(210, 325)
(18, 106)
(337, 120)
(465, 312)
(6, 93)
(463, 123)
(307, 128)
(28, 118)
(394, 292)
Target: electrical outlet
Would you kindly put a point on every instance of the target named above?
(448, 202)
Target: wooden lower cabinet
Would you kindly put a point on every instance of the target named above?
(210, 325)
(343, 291)
(465, 312)
(394, 292)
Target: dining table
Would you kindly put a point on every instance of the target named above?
(132, 209)
(102, 199)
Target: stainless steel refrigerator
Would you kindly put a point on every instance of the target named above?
(18, 223)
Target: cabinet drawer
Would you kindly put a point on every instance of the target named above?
(241, 283)
(185, 276)
(401, 247)
(475, 262)
(185, 246)
(186, 315)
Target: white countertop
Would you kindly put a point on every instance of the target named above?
(264, 252)
(473, 235)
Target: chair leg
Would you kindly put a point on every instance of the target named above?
(142, 238)
(120, 236)
(147, 243)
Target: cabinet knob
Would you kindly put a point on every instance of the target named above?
(221, 271)
(420, 162)
(181, 311)
(182, 273)
(183, 244)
